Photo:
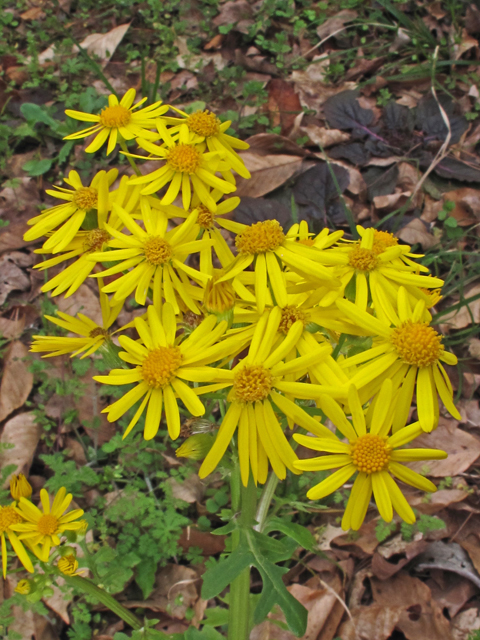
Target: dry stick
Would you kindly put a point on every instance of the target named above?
(442, 152)
(341, 601)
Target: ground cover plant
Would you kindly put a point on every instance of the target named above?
(239, 320)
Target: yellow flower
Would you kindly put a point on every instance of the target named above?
(156, 257)
(257, 381)
(68, 565)
(46, 527)
(23, 587)
(412, 352)
(270, 248)
(370, 452)
(207, 127)
(186, 166)
(70, 216)
(20, 487)
(162, 364)
(118, 121)
(9, 518)
(90, 335)
(380, 266)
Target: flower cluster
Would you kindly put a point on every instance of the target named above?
(284, 325)
(31, 529)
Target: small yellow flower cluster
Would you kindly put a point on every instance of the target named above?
(25, 525)
(288, 324)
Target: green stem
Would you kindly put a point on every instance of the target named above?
(105, 598)
(132, 162)
(239, 614)
(265, 501)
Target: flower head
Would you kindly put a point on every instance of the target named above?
(23, 587)
(46, 527)
(9, 518)
(68, 565)
(118, 121)
(371, 453)
(20, 487)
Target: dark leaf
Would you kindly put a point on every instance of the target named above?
(251, 210)
(398, 118)
(429, 119)
(354, 153)
(380, 181)
(343, 112)
(315, 191)
(457, 170)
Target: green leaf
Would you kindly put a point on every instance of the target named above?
(295, 531)
(216, 579)
(37, 167)
(207, 633)
(65, 151)
(34, 113)
(145, 576)
(275, 591)
(216, 617)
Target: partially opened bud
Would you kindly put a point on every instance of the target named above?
(20, 487)
(23, 587)
(68, 565)
(219, 299)
(196, 447)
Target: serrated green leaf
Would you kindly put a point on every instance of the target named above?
(34, 113)
(217, 578)
(37, 167)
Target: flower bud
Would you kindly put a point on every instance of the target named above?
(219, 299)
(24, 587)
(20, 487)
(68, 565)
(196, 447)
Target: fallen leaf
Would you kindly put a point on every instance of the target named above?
(283, 104)
(24, 433)
(90, 406)
(463, 43)
(370, 623)
(324, 137)
(34, 13)
(13, 278)
(312, 84)
(462, 448)
(251, 210)
(439, 500)
(463, 317)
(415, 232)
(465, 623)
(12, 328)
(83, 300)
(59, 602)
(17, 380)
(190, 490)
(390, 557)
(209, 543)
(104, 45)
(336, 23)
(239, 14)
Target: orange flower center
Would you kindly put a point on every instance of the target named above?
(370, 453)
(85, 198)
(203, 123)
(98, 331)
(47, 525)
(253, 383)
(116, 116)
(160, 366)
(95, 240)
(362, 259)
(157, 250)
(417, 343)
(8, 516)
(205, 217)
(260, 237)
(289, 316)
(184, 158)
(383, 240)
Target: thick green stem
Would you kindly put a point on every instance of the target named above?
(239, 613)
(105, 598)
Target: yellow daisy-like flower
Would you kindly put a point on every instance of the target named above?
(68, 565)
(162, 365)
(187, 166)
(118, 121)
(23, 587)
(270, 248)
(9, 518)
(412, 352)
(380, 266)
(45, 528)
(372, 453)
(156, 258)
(70, 216)
(20, 487)
(90, 335)
(207, 127)
(256, 382)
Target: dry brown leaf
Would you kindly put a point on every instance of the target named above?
(462, 448)
(339, 20)
(324, 137)
(371, 623)
(283, 104)
(209, 543)
(12, 328)
(463, 45)
(24, 433)
(470, 412)
(190, 490)
(90, 407)
(17, 380)
(391, 556)
(465, 623)
(463, 317)
(416, 231)
(438, 501)
(34, 13)
(239, 14)
(83, 300)
(311, 84)
(104, 45)
(59, 602)
(13, 277)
